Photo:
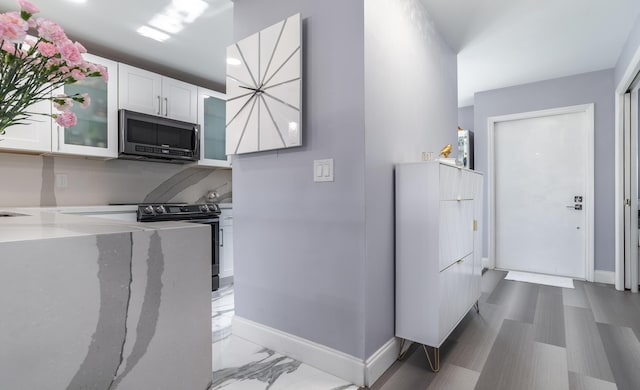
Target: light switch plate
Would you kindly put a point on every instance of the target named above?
(323, 170)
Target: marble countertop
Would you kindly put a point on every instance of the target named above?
(58, 222)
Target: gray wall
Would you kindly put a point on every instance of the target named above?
(594, 87)
(299, 245)
(628, 51)
(30, 181)
(316, 259)
(465, 118)
(410, 107)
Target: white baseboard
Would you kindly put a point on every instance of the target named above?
(380, 361)
(344, 366)
(607, 277)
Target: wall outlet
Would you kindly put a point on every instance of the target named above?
(62, 180)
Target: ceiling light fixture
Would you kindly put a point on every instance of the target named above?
(187, 10)
(233, 61)
(166, 23)
(77, 1)
(180, 12)
(152, 33)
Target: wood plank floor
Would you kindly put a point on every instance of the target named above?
(530, 336)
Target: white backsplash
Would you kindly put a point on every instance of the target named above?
(30, 181)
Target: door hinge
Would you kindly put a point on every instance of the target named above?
(627, 202)
(475, 225)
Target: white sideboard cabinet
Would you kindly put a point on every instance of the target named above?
(438, 250)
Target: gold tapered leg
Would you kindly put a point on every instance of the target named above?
(402, 353)
(435, 365)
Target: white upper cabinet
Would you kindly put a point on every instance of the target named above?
(211, 117)
(150, 93)
(32, 137)
(96, 133)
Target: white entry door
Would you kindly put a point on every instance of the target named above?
(543, 192)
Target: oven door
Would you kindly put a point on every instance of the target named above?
(215, 249)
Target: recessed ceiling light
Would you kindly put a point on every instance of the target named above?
(166, 23)
(77, 1)
(187, 10)
(153, 33)
(233, 61)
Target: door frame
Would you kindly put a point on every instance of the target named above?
(589, 163)
(625, 82)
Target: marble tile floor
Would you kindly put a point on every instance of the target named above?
(527, 336)
(241, 365)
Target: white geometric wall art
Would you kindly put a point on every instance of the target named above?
(264, 89)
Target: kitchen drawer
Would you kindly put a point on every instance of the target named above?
(226, 218)
(455, 183)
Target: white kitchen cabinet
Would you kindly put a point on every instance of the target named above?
(211, 117)
(96, 133)
(226, 242)
(32, 137)
(150, 93)
(438, 250)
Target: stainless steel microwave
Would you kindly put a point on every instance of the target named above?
(149, 137)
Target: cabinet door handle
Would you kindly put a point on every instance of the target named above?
(159, 105)
(166, 106)
(58, 127)
(221, 238)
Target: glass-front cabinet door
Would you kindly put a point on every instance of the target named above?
(211, 117)
(96, 133)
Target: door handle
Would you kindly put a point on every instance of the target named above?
(221, 238)
(575, 207)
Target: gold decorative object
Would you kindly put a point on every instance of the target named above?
(446, 151)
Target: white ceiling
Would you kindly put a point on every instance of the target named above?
(500, 42)
(108, 28)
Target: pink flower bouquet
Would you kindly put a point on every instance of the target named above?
(32, 67)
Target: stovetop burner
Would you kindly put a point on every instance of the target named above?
(153, 212)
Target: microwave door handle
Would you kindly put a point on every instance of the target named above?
(196, 141)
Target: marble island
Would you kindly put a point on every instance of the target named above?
(92, 303)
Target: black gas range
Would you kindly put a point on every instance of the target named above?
(204, 213)
(153, 212)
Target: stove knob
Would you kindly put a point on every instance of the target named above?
(147, 210)
(159, 209)
(204, 208)
(184, 209)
